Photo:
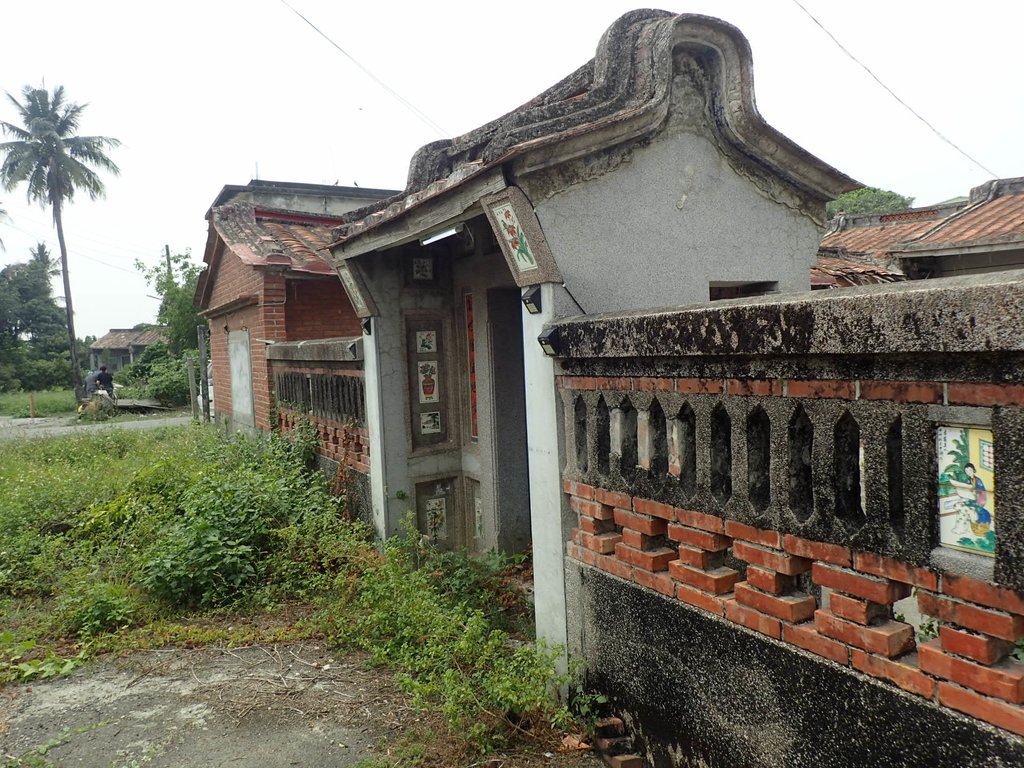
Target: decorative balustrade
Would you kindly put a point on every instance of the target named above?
(781, 464)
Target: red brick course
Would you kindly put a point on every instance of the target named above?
(1007, 716)
(770, 559)
(981, 648)
(807, 637)
(967, 667)
(890, 639)
(1004, 681)
(1002, 625)
(902, 672)
(850, 582)
(790, 608)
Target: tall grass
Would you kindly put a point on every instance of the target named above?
(113, 531)
(54, 402)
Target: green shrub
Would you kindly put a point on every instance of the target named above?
(486, 683)
(98, 607)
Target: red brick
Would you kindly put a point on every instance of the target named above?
(998, 713)
(613, 498)
(717, 581)
(816, 550)
(593, 525)
(902, 391)
(699, 386)
(602, 543)
(1002, 625)
(654, 509)
(573, 550)
(612, 565)
(694, 537)
(700, 520)
(749, 533)
(756, 387)
(895, 570)
(807, 637)
(791, 608)
(649, 384)
(975, 591)
(985, 394)
(858, 584)
(902, 672)
(659, 582)
(699, 558)
(588, 556)
(982, 648)
(700, 599)
(813, 388)
(652, 526)
(769, 581)
(574, 488)
(586, 507)
(770, 559)
(639, 540)
(889, 639)
(650, 560)
(751, 619)
(858, 611)
(1004, 681)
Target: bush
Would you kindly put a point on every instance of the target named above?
(158, 375)
(487, 683)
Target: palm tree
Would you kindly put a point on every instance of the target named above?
(55, 163)
(3, 218)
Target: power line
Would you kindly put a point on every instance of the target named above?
(78, 253)
(875, 77)
(420, 114)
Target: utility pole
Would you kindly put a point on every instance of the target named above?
(204, 382)
(167, 255)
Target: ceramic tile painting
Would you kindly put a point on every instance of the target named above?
(437, 519)
(428, 384)
(967, 489)
(426, 341)
(430, 423)
(514, 236)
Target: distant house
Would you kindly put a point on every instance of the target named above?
(265, 283)
(984, 233)
(120, 346)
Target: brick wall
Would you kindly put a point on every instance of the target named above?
(773, 465)
(319, 309)
(683, 554)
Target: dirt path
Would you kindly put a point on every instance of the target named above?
(261, 706)
(51, 426)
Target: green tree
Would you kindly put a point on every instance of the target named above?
(54, 162)
(868, 200)
(175, 283)
(32, 353)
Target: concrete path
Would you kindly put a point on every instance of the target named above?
(262, 706)
(51, 426)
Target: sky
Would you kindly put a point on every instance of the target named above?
(204, 94)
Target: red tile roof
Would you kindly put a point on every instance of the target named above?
(992, 216)
(844, 273)
(988, 221)
(877, 235)
(265, 237)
